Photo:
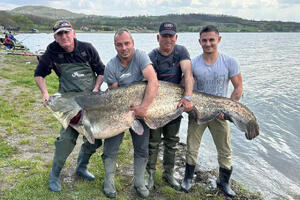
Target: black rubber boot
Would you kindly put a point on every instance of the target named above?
(188, 177)
(223, 181)
(81, 169)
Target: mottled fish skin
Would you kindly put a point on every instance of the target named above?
(108, 114)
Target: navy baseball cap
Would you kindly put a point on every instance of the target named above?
(167, 28)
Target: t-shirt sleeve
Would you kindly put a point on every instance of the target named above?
(144, 59)
(234, 67)
(109, 75)
(43, 69)
(184, 54)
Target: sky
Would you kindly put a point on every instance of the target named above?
(279, 10)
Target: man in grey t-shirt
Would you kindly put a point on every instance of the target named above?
(212, 72)
(129, 66)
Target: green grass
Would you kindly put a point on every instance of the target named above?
(6, 150)
(34, 128)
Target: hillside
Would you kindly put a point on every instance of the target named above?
(24, 22)
(43, 11)
(39, 17)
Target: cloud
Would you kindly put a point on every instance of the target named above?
(290, 2)
(248, 9)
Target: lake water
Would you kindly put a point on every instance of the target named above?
(270, 65)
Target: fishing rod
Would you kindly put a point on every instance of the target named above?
(20, 41)
(20, 54)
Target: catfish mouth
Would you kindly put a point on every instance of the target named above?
(76, 118)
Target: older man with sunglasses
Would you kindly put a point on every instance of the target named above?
(79, 68)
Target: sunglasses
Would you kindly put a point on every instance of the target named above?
(62, 32)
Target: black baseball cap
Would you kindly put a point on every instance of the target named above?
(62, 25)
(167, 28)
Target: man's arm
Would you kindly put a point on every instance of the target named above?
(41, 83)
(98, 84)
(237, 91)
(186, 68)
(150, 92)
(238, 87)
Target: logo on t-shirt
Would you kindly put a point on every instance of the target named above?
(76, 74)
(125, 75)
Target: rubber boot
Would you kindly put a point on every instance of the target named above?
(223, 181)
(139, 177)
(186, 184)
(81, 169)
(150, 179)
(169, 160)
(170, 141)
(109, 183)
(63, 148)
(154, 141)
(169, 178)
(54, 182)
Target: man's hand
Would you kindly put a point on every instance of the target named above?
(140, 111)
(95, 90)
(45, 98)
(187, 105)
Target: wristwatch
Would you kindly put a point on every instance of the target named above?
(189, 98)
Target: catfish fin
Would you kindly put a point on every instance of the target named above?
(202, 117)
(137, 127)
(159, 122)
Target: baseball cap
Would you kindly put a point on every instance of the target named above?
(62, 25)
(167, 28)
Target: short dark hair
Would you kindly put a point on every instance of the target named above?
(121, 31)
(209, 28)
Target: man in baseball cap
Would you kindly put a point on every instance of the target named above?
(171, 61)
(62, 25)
(80, 69)
(167, 28)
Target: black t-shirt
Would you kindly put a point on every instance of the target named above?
(168, 67)
(83, 53)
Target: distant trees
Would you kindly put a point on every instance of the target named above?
(185, 22)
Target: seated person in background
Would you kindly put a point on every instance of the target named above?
(8, 43)
(11, 36)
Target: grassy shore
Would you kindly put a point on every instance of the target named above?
(27, 145)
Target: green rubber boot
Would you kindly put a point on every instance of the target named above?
(170, 141)
(150, 179)
(109, 183)
(63, 148)
(81, 169)
(54, 182)
(139, 177)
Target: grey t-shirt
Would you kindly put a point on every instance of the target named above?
(115, 72)
(214, 79)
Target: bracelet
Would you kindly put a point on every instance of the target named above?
(189, 98)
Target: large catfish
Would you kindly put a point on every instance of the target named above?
(108, 114)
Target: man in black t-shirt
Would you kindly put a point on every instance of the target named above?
(171, 62)
(79, 68)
